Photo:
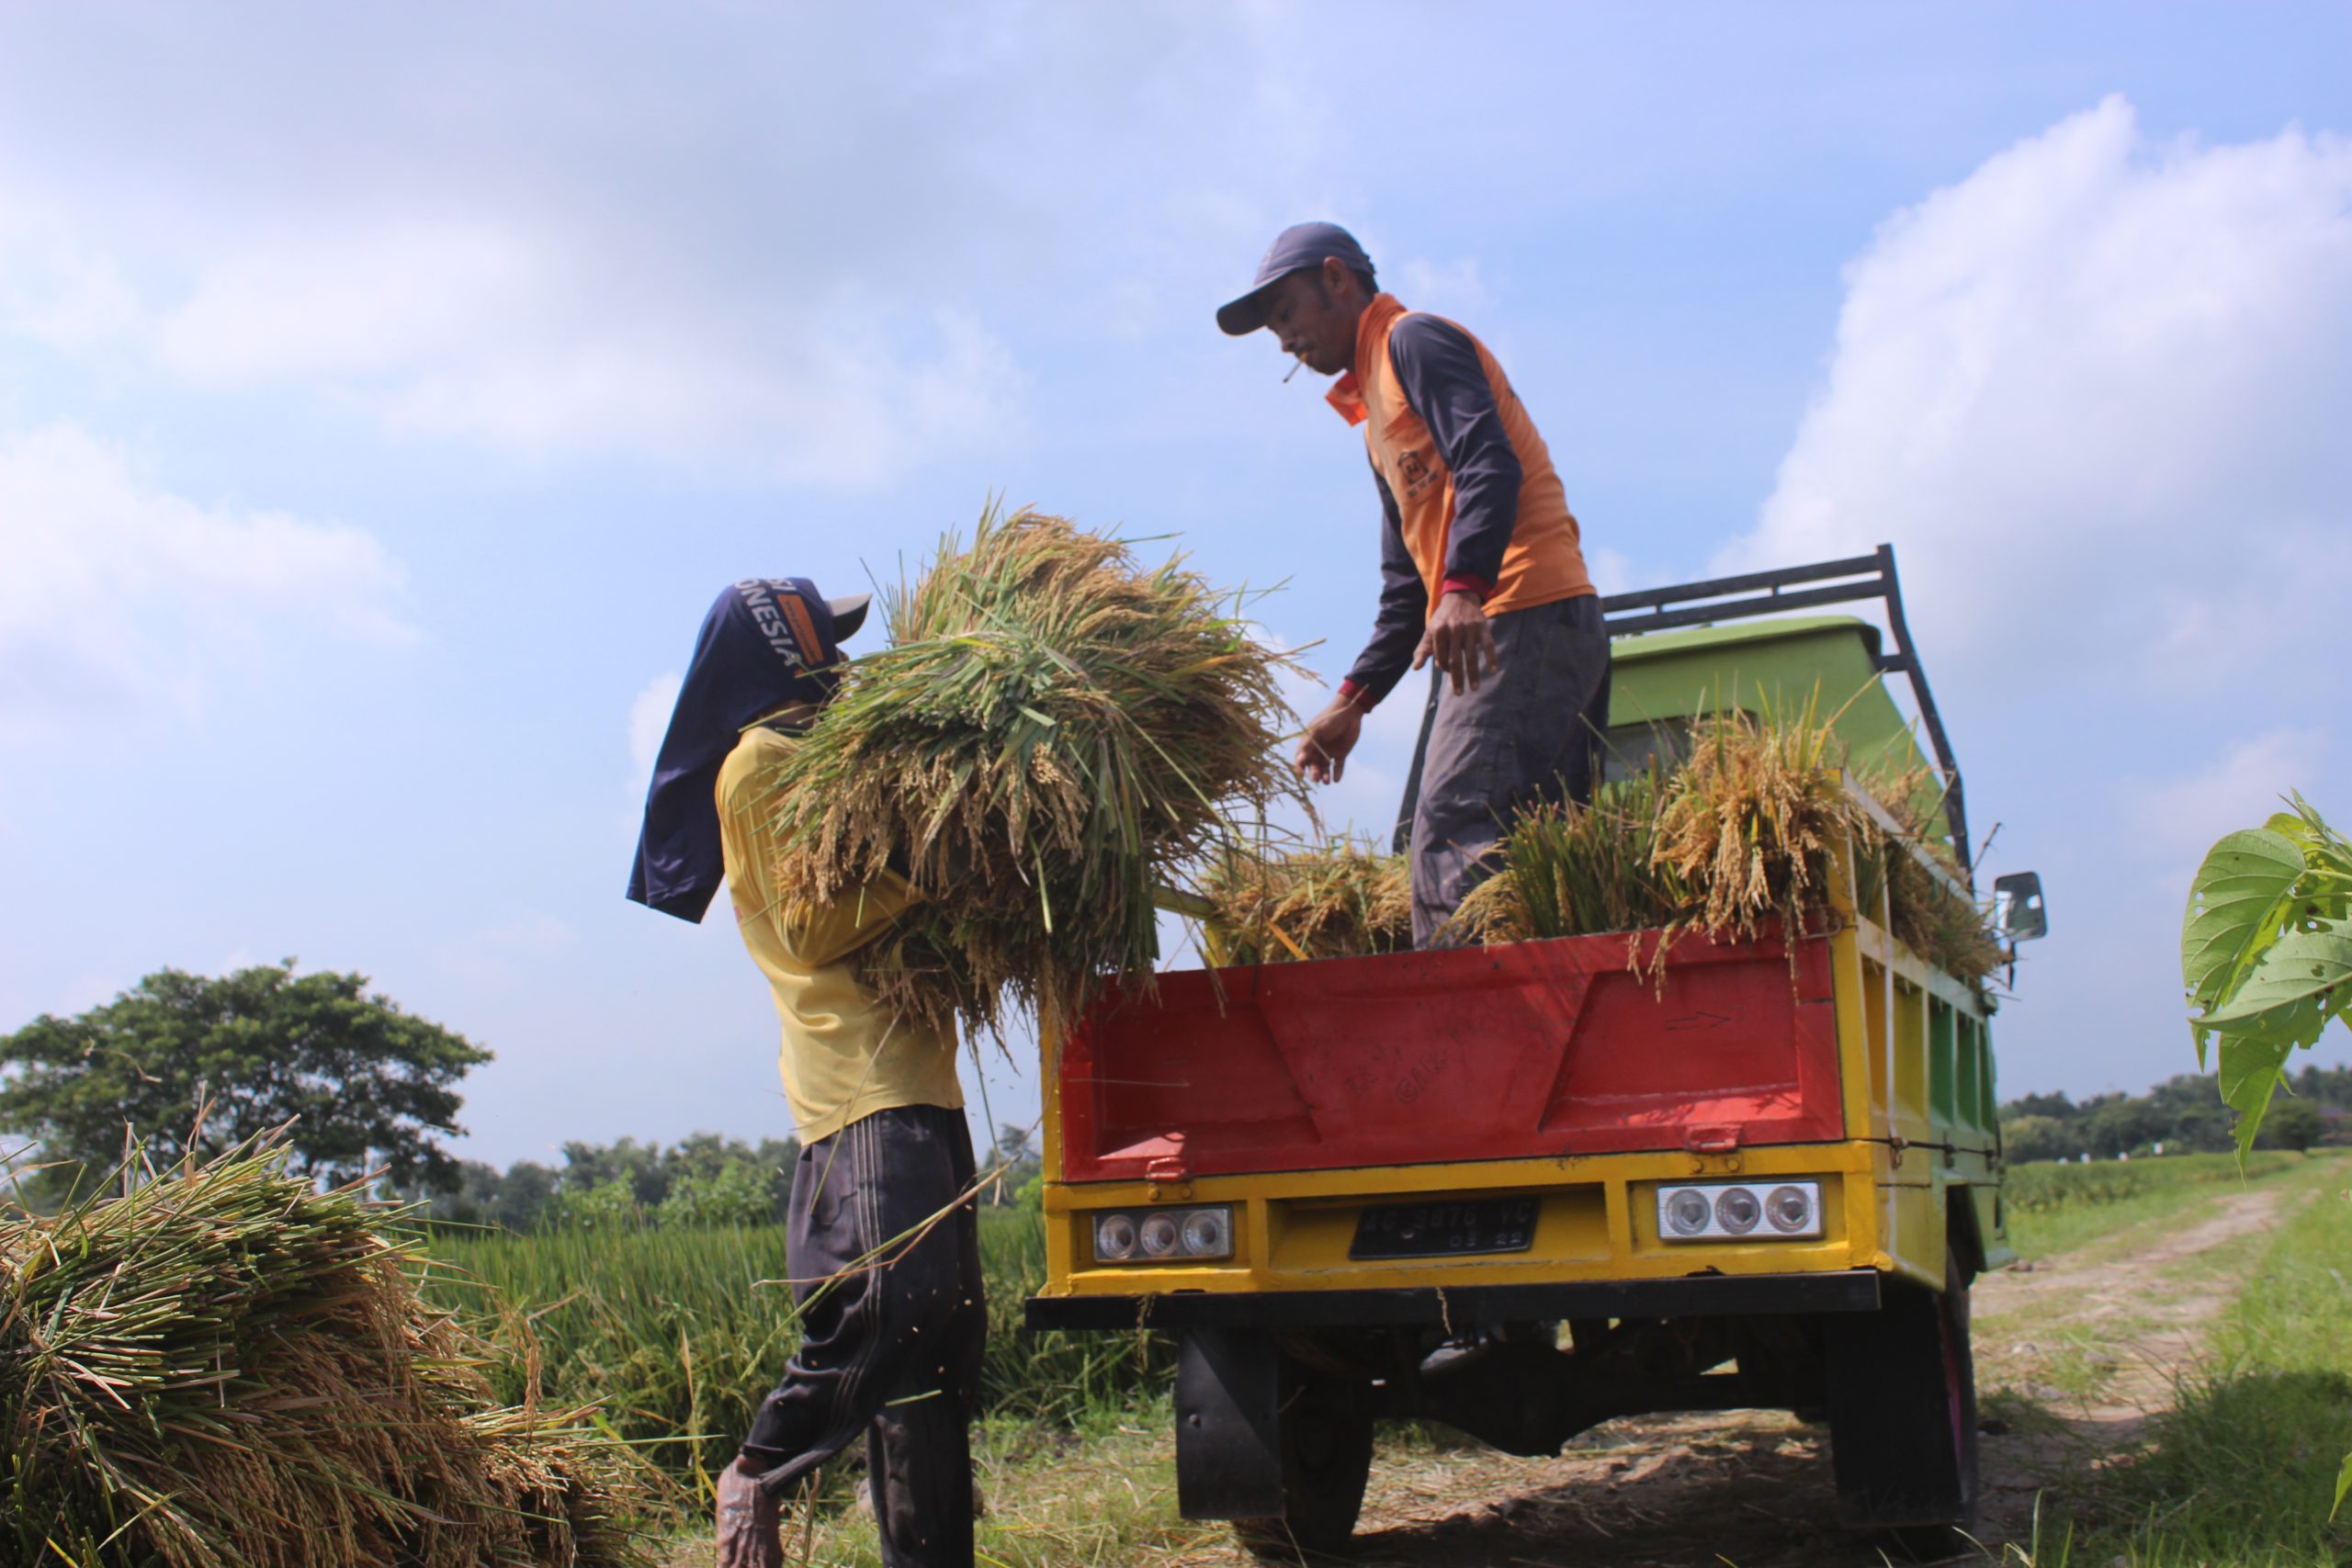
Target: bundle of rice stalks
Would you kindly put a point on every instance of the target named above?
(1739, 835)
(1340, 899)
(1928, 906)
(1053, 728)
(1569, 870)
(226, 1369)
(1747, 824)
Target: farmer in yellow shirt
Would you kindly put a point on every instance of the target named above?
(891, 1329)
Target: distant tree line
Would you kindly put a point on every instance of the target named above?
(704, 1180)
(354, 1089)
(2182, 1115)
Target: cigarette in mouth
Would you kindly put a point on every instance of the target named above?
(1293, 370)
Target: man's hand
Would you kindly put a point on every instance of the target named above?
(1460, 640)
(1330, 736)
(751, 1533)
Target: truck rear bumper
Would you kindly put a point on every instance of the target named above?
(1699, 1295)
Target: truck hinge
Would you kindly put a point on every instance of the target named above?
(1169, 1175)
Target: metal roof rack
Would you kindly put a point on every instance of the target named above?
(1850, 580)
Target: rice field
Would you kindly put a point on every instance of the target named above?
(680, 1333)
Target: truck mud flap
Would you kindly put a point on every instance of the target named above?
(1229, 1449)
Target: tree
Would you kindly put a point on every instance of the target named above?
(1016, 1152)
(2026, 1138)
(363, 1084)
(2296, 1125)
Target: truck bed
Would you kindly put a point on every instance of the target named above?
(1527, 1050)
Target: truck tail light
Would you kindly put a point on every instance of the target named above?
(1781, 1210)
(1164, 1236)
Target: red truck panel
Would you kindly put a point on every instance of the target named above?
(1530, 1049)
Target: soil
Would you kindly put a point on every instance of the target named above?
(1753, 1490)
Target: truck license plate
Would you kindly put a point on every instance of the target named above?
(1438, 1230)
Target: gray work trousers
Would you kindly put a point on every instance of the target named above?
(1529, 732)
(894, 1351)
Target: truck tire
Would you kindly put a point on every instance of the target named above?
(1326, 1440)
(1902, 1399)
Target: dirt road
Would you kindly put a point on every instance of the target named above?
(2074, 1354)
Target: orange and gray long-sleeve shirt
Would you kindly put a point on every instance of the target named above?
(845, 1054)
(1469, 498)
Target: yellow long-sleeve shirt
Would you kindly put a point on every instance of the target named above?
(845, 1054)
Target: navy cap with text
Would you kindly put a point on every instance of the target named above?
(1298, 247)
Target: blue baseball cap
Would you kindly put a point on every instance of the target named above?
(1295, 248)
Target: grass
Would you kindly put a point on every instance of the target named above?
(1097, 1493)
(2242, 1470)
(226, 1366)
(2057, 1206)
(681, 1332)
(1073, 1451)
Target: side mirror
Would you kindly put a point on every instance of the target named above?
(2019, 913)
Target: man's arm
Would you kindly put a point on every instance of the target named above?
(1437, 364)
(1396, 625)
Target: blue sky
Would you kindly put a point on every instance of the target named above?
(383, 395)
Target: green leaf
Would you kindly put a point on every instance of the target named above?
(2300, 967)
(2238, 899)
(2250, 1066)
(2343, 1486)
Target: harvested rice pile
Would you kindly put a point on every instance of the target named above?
(1738, 836)
(1748, 823)
(1929, 915)
(230, 1370)
(1570, 870)
(1053, 730)
(1336, 900)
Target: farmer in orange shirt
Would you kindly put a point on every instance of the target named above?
(1482, 563)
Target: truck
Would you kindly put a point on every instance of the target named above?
(1522, 1190)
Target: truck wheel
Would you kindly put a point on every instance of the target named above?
(1902, 1398)
(1327, 1457)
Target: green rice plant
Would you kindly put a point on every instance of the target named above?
(680, 1333)
(1741, 833)
(2245, 1467)
(2043, 1184)
(224, 1366)
(1054, 731)
(1570, 871)
(1339, 899)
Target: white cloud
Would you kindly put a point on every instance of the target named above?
(742, 247)
(119, 594)
(2178, 820)
(537, 933)
(357, 302)
(1614, 571)
(649, 719)
(1447, 288)
(2095, 395)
